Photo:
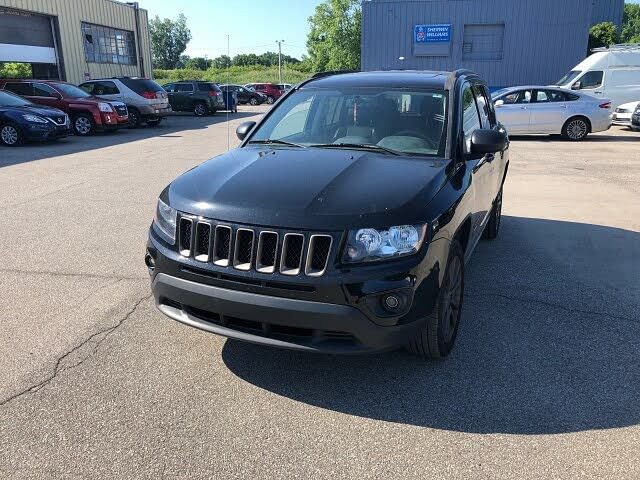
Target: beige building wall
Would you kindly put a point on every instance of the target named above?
(108, 13)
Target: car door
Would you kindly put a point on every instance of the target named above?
(184, 96)
(512, 110)
(170, 88)
(43, 94)
(592, 83)
(480, 164)
(547, 112)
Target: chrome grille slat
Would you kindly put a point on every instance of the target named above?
(185, 236)
(243, 251)
(292, 253)
(318, 254)
(222, 246)
(267, 252)
(203, 241)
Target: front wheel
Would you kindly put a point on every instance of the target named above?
(437, 337)
(83, 124)
(270, 100)
(253, 101)
(10, 135)
(576, 129)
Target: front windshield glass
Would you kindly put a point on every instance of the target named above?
(71, 91)
(10, 100)
(569, 77)
(406, 121)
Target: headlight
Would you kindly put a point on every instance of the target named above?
(105, 107)
(34, 118)
(370, 244)
(165, 219)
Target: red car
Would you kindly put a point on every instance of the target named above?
(271, 90)
(88, 113)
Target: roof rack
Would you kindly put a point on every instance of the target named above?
(620, 47)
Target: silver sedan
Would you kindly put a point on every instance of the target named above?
(535, 110)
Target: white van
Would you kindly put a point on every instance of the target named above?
(612, 73)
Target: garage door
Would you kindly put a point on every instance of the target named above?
(26, 37)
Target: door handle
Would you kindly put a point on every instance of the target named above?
(523, 108)
(563, 106)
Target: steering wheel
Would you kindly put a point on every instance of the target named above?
(416, 134)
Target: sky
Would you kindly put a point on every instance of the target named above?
(253, 25)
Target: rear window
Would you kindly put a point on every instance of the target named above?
(140, 85)
(207, 87)
(19, 88)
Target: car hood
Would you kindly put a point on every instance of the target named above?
(310, 188)
(35, 110)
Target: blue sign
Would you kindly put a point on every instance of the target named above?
(432, 33)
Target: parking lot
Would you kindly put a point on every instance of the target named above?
(95, 383)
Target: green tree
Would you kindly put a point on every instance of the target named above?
(334, 39)
(602, 35)
(15, 70)
(169, 39)
(197, 63)
(223, 61)
(630, 32)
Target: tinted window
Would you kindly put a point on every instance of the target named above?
(470, 117)
(105, 88)
(87, 87)
(207, 87)
(519, 96)
(592, 79)
(170, 87)
(556, 96)
(43, 90)
(140, 85)
(10, 100)
(571, 97)
(24, 88)
(184, 87)
(483, 107)
(71, 91)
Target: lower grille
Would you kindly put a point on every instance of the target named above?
(247, 248)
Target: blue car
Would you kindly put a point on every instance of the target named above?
(21, 120)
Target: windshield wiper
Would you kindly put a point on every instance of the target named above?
(362, 146)
(275, 141)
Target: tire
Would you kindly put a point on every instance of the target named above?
(154, 123)
(11, 135)
(83, 124)
(495, 219)
(200, 109)
(270, 100)
(576, 129)
(253, 101)
(437, 337)
(134, 118)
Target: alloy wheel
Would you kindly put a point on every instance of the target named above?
(82, 125)
(199, 109)
(9, 135)
(253, 101)
(577, 129)
(452, 299)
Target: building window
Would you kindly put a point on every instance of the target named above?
(108, 45)
(483, 42)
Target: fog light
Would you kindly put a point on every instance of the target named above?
(149, 262)
(391, 302)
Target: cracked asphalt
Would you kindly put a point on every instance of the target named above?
(95, 383)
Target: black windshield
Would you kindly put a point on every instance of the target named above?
(10, 100)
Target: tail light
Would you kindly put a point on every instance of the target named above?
(213, 93)
(149, 95)
(605, 105)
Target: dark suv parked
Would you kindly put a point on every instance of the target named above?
(244, 95)
(201, 98)
(21, 120)
(343, 221)
(88, 113)
(271, 91)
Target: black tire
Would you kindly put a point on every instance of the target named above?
(200, 109)
(576, 129)
(135, 119)
(11, 135)
(270, 100)
(437, 337)
(83, 124)
(154, 123)
(495, 219)
(253, 101)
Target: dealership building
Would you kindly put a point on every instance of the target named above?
(75, 40)
(508, 42)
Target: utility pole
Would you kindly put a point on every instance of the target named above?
(280, 42)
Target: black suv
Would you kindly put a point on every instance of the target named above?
(201, 98)
(343, 221)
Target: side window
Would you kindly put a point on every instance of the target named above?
(556, 96)
(184, 87)
(542, 96)
(521, 96)
(22, 88)
(592, 79)
(570, 97)
(87, 87)
(109, 88)
(483, 106)
(43, 90)
(470, 117)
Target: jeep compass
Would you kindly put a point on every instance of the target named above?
(343, 221)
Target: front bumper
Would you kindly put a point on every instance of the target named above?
(44, 132)
(153, 112)
(635, 122)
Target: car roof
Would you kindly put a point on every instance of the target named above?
(391, 79)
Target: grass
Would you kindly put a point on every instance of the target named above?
(236, 75)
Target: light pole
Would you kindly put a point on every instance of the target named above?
(280, 42)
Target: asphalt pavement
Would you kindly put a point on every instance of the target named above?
(95, 383)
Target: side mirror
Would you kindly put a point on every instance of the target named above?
(576, 86)
(488, 141)
(498, 103)
(243, 129)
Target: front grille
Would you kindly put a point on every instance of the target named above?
(247, 248)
